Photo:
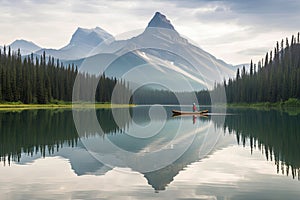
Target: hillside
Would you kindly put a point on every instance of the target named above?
(276, 78)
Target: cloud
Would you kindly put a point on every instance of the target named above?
(254, 51)
(267, 14)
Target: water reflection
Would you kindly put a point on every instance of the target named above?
(152, 140)
(273, 132)
(47, 132)
(34, 131)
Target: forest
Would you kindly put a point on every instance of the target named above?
(45, 80)
(276, 78)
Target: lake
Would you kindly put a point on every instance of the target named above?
(144, 153)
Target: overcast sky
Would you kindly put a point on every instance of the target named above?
(232, 30)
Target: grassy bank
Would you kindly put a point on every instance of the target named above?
(61, 105)
(291, 106)
(290, 103)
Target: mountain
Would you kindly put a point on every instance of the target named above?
(161, 56)
(26, 47)
(90, 37)
(81, 43)
(161, 21)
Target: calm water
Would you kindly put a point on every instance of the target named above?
(247, 154)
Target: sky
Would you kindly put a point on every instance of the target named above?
(235, 31)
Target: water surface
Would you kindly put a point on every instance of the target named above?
(249, 154)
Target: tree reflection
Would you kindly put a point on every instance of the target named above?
(274, 133)
(46, 131)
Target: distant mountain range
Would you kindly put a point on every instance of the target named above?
(81, 43)
(159, 55)
(26, 47)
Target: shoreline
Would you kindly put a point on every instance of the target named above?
(21, 106)
(291, 106)
(290, 103)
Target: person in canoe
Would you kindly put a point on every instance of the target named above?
(194, 107)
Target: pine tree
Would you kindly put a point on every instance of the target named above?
(0, 81)
(266, 59)
(251, 68)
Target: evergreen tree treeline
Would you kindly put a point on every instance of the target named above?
(276, 78)
(43, 80)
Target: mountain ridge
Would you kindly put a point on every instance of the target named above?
(171, 56)
(81, 43)
(25, 46)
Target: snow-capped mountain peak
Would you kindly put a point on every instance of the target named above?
(160, 21)
(90, 37)
(83, 41)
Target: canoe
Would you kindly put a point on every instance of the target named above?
(179, 112)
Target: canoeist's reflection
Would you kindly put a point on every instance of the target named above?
(194, 119)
